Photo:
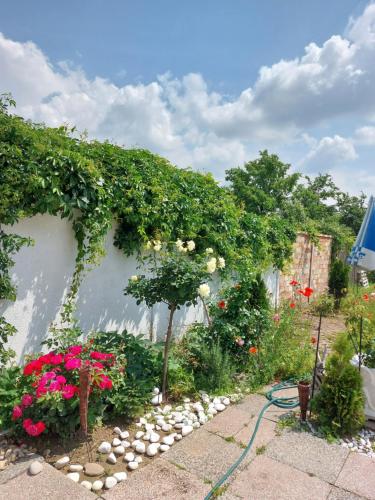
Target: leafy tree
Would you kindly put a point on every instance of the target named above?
(174, 276)
(263, 185)
(338, 280)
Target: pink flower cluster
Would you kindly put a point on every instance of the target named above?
(58, 373)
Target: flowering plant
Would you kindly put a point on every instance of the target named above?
(51, 382)
(176, 275)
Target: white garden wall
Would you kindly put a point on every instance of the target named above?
(42, 274)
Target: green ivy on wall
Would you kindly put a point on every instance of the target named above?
(93, 184)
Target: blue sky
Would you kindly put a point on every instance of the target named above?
(185, 79)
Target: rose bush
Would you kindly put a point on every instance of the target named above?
(51, 384)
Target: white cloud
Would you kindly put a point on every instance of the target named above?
(330, 152)
(185, 121)
(365, 136)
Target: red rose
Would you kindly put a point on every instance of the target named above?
(292, 305)
(73, 364)
(27, 400)
(17, 412)
(253, 350)
(221, 304)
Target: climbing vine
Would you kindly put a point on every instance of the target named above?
(93, 184)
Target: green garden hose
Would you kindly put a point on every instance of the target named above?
(285, 402)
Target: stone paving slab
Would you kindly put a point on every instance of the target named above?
(268, 479)
(204, 454)
(159, 480)
(309, 454)
(48, 484)
(265, 434)
(358, 476)
(339, 494)
(229, 422)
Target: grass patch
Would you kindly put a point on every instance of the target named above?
(260, 450)
(179, 466)
(230, 439)
(220, 491)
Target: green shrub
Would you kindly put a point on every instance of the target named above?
(324, 305)
(340, 403)
(338, 280)
(215, 371)
(241, 316)
(10, 393)
(133, 388)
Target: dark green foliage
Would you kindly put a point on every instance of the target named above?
(215, 369)
(10, 394)
(340, 402)
(132, 388)
(242, 315)
(338, 280)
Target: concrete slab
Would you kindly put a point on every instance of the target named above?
(358, 476)
(229, 422)
(159, 480)
(204, 454)
(309, 454)
(252, 404)
(339, 494)
(48, 484)
(267, 479)
(265, 434)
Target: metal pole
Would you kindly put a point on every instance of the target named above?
(360, 342)
(316, 355)
(310, 270)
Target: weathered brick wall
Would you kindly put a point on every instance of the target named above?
(299, 267)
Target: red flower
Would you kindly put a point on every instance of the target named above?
(253, 350)
(292, 305)
(17, 412)
(61, 379)
(221, 304)
(34, 367)
(75, 350)
(313, 340)
(98, 365)
(365, 297)
(306, 291)
(105, 382)
(27, 400)
(35, 429)
(56, 359)
(101, 356)
(294, 283)
(73, 364)
(26, 423)
(69, 391)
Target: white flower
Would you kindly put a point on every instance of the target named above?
(190, 245)
(148, 245)
(204, 290)
(211, 265)
(221, 262)
(157, 245)
(134, 278)
(180, 245)
(184, 249)
(209, 250)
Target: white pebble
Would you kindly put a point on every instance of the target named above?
(133, 465)
(116, 442)
(168, 440)
(110, 482)
(35, 467)
(152, 450)
(140, 448)
(62, 462)
(74, 476)
(187, 429)
(129, 457)
(117, 430)
(139, 434)
(154, 437)
(138, 459)
(87, 485)
(111, 458)
(105, 447)
(119, 450)
(97, 485)
(75, 468)
(164, 447)
(120, 476)
(124, 435)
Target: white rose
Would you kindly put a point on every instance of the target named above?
(179, 245)
(204, 290)
(221, 262)
(184, 249)
(211, 265)
(134, 278)
(209, 251)
(148, 245)
(157, 245)
(190, 245)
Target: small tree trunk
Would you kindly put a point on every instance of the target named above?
(84, 389)
(206, 311)
(166, 352)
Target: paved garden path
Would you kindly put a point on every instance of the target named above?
(282, 465)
